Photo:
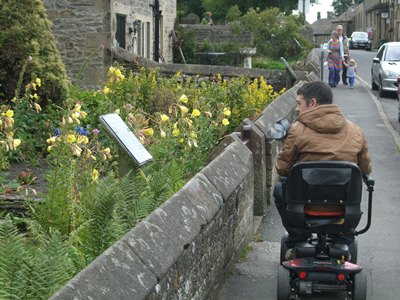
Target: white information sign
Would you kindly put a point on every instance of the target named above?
(125, 138)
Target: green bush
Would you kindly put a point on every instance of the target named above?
(26, 39)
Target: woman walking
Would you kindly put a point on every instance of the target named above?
(335, 59)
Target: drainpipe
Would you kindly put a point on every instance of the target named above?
(157, 15)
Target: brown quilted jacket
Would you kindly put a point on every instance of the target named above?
(323, 133)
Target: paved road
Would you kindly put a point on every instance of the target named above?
(255, 277)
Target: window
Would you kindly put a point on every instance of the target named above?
(120, 34)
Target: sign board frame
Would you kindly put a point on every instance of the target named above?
(125, 138)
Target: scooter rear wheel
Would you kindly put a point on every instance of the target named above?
(360, 286)
(284, 248)
(284, 288)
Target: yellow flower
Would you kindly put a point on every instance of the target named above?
(175, 132)
(148, 131)
(227, 112)
(10, 113)
(193, 135)
(38, 82)
(16, 143)
(51, 140)
(162, 133)
(71, 138)
(49, 148)
(37, 107)
(184, 109)
(225, 122)
(181, 140)
(164, 118)
(76, 150)
(82, 139)
(117, 111)
(95, 175)
(106, 151)
(195, 113)
(183, 98)
(106, 90)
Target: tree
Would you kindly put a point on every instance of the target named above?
(219, 8)
(340, 6)
(25, 33)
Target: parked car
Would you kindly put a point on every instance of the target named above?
(386, 68)
(359, 39)
(398, 97)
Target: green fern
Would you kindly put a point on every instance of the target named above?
(104, 227)
(15, 260)
(32, 267)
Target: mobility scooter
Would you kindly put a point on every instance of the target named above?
(322, 200)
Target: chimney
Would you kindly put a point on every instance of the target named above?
(319, 15)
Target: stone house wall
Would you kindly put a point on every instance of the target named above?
(85, 33)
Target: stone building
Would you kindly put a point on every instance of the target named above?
(87, 31)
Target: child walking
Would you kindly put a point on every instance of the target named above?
(351, 72)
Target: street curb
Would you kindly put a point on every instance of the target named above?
(383, 115)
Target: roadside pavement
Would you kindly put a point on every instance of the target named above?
(255, 276)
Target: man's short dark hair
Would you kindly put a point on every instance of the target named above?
(318, 90)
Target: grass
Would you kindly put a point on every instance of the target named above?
(245, 252)
(262, 62)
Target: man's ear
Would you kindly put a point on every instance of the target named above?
(314, 103)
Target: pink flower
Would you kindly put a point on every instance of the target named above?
(95, 131)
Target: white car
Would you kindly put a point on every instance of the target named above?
(386, 68)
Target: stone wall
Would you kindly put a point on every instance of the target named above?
(277, 78)
(218, 34)
(186, 247)
(80, 28)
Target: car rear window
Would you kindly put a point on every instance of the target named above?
(360, 35)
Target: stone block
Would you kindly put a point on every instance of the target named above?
(229, 169)
(116, 274)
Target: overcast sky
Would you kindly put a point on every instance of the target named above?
(323, 7)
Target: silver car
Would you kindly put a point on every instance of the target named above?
(386, 68)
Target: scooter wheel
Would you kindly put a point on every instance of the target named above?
(284, 287)
(284, 248)
(360, 286)
(353, 248)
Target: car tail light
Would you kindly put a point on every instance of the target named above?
(302, 275)
(341, 277)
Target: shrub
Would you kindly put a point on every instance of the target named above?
(25, 32)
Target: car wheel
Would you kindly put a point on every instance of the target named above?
(374, 86)
(382, 93)
(398, 110)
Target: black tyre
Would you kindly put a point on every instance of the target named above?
(353, 248)
(360, 286)
(382, 93)
(284, 249)
(374, 86)
(284, 289)
(398, 109)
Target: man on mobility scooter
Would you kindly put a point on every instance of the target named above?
(323, 161)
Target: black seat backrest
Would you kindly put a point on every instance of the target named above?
(318, 183)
